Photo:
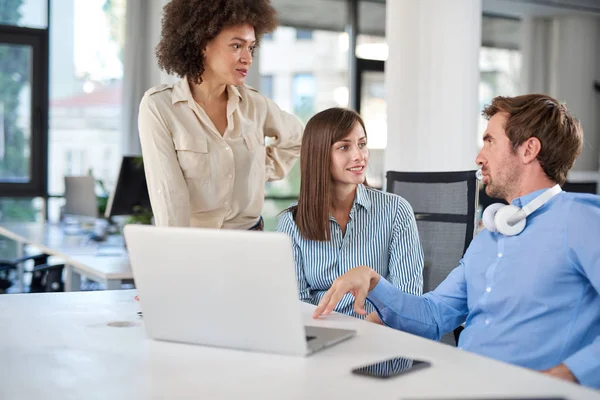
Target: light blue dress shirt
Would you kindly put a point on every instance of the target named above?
(532, 300)
(381, 233)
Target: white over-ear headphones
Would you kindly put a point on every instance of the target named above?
(510, 220)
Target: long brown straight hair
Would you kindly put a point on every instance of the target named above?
(321, 132)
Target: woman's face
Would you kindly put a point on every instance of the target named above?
(349, 157)
(228, 56)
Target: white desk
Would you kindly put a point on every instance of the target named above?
(59, 346)
(79, 254)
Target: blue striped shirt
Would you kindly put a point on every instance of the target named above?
(381, 233)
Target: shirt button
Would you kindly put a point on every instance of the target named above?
(488, 289)
(230, 176)
(487, 321)
(226, 203)
(159, 191)
(226, 148)
(499, 254)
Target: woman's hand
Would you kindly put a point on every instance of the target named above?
(359, 281)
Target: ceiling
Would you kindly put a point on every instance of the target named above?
(500, 32)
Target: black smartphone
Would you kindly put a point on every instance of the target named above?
(391, 367)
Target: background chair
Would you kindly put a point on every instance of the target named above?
(445, 205)
(44, 277)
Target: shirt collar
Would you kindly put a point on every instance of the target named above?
(526, 199)
(182, 92)
(362, 198)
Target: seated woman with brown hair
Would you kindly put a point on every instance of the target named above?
(340, 223)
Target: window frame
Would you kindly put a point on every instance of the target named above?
(38, 39)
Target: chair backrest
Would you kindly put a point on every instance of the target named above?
(444, 204)
(581, 187)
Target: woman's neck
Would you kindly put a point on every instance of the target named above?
(342, 198)
(208, 91)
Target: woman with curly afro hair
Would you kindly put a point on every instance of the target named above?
(203, 138)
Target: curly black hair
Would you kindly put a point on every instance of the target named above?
(188, 25)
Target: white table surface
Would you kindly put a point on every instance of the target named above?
(60, 346)
(102, 260)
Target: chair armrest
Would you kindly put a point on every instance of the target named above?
(46, 267)
(38, 258)
(6, 265)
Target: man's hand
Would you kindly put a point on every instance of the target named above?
(561, 371)
(374, 318)
(359, 281)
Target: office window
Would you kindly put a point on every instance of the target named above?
(303, 95)
(15, 112)
(266, 85)
(23, 100)
(21, 209)
(303, 34)
(24, 13)
(371, 47)
(86, 72)
(500, 71)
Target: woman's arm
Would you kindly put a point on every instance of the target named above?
(285, 130)
(167, 188)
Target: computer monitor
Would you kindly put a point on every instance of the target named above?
(80, 196)
(130, 195)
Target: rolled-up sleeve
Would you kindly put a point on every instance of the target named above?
(285, 130)
(169, 196)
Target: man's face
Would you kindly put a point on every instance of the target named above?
(500, 164)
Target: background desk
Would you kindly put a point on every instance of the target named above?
(104, 262)
(60, 346)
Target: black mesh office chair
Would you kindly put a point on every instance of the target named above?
(44, 277)
(444, 204)
(590, 187)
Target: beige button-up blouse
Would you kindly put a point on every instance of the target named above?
(198, 178)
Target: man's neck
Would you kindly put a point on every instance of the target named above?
(531, 185)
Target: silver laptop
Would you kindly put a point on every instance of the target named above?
(224, 288)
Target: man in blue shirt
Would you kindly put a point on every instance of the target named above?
(531, 294)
